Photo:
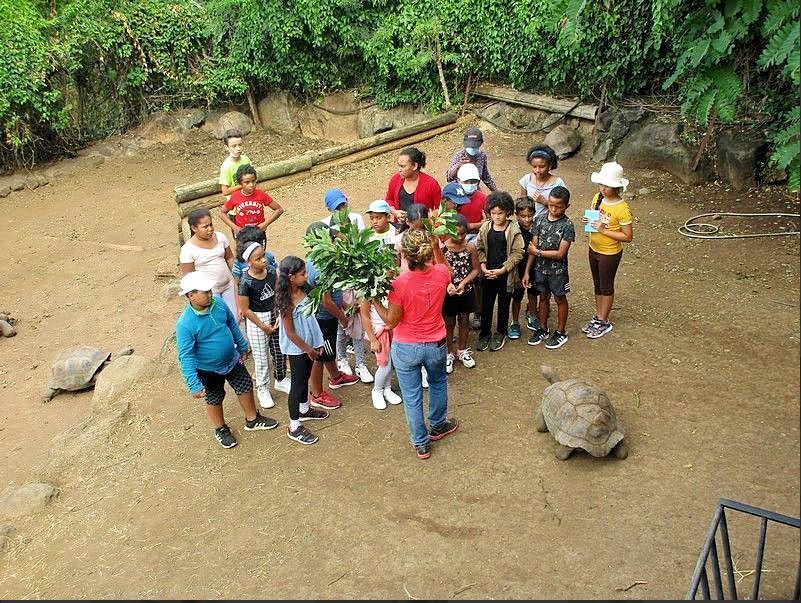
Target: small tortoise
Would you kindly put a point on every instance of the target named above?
(579, 415)
(76, 368)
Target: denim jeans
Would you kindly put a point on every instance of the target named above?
(408, 358)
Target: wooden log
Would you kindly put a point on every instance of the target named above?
(212, 201)
(535, 101)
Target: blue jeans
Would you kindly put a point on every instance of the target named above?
(408, 358)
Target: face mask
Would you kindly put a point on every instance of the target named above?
(471, 152)
(469, 189)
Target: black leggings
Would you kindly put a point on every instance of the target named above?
(300, 367)
(492, 288)
(604, 268)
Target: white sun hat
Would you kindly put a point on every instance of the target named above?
(611, 174)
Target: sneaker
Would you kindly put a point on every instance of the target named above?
(497, 341)
(392, 397)
(449, 359)
(344, 366)
(313, 414)
(324, 400)
(556, 340)
(265, 399)
(483, 343)
(225, 437)
(475, 322)
(363, 373)
(350, 350)
(446, 427)
(302, 435)
(424, 374)
(283, 385)
(537, 337)
(423, 450)
(514, 331)
(342, 380)
(379, 403)
(260, 423)
(466, 358)
(599, 329)
(587, 326)
(533, 322)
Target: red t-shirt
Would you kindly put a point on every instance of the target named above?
(249, 208)
(420, 293)
(474, 211)
(427, 192)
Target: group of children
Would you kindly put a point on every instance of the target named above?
(505, 250)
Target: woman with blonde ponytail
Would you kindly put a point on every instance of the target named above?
(418, 338)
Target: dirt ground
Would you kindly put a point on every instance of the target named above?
(703, 368)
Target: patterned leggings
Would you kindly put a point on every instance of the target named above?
(260, 343)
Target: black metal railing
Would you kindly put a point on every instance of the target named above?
(710, 553)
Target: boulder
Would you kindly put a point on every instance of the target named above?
(604, 146)
(119, 377)
(658, 146)
(374, 120)
(278, 113)
(233, 120)
(24, 500)
(738, 158)
(190, 118)
(605, 119)
(564, 140)
(334, 118)
(524, 118)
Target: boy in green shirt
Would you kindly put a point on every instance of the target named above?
(235, 144)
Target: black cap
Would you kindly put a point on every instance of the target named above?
(473, 138)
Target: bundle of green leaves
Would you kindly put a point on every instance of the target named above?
(349, 261)
(441, 221)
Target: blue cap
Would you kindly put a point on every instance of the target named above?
(379, 206)
(334, 197)
(453, 191)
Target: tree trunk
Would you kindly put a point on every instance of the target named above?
(438, 59)
(535, 101)
(254, 109)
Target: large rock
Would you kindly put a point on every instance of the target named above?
(524, 118)
(278, 113)
(118, 377)
(24, 500)
(604, 147)
(374, 120)
(738, 158)
(658, 146)
(334, 118)
(190, 118)
(564, 140)
(233, 120)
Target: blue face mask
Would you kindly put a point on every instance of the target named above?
(469, 189)
(470, 151)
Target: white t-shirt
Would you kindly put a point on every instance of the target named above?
(389, 237)
(527, 182)
(209, 261)
(354, 219)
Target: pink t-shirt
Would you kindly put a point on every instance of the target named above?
(420, 293)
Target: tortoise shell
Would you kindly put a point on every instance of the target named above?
(75, 368)
(580, 415)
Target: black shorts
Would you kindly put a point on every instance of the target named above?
(518, 294)
(460, 304)
(558, 284)
(239, 379)
(329, 328)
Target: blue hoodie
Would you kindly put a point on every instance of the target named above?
(210, 341)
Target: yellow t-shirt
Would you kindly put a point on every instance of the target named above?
(613, 216)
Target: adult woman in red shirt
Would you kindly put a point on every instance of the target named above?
(418, 337)
(411, 185)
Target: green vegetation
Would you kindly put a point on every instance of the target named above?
(76, 70)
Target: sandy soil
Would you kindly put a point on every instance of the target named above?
(703, 368)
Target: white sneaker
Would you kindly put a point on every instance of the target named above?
(283, 385)
(378, 399)
(392, 397)
(363, 373)
(344, 366)
(425, 377)
(265, 399)
(466, 358)
(449, 363)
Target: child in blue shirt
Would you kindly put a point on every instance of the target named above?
(211, 351)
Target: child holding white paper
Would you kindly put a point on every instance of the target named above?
(612, 228)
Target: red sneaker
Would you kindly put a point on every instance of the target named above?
(324, 400)
(341, 380)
